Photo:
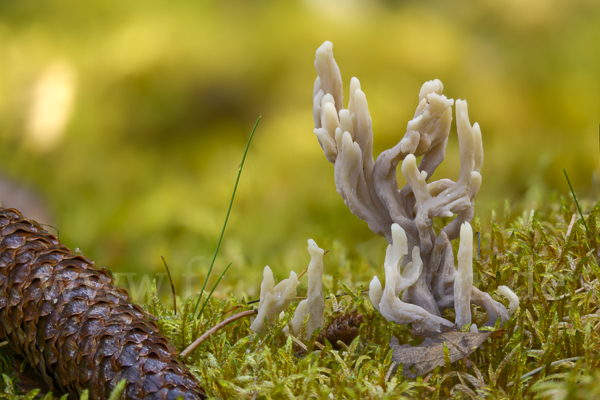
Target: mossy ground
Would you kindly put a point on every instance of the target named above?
(161, 109)
(550, 349)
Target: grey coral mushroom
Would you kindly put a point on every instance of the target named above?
(370, 189)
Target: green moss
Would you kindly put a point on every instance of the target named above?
(549, 350)
(555, 276)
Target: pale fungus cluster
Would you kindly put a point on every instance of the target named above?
(275, 299)
(421, 280)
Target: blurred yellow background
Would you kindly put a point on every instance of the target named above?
(123, 123)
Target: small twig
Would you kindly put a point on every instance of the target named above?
(230, 310)
(577, 203)
(571, 224)
(172, 286)
(535, 371)
(302, 274)
(214, 329)
(306, 270)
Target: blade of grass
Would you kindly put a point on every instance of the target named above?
(576, 203)
(213, 289)
(118, 390)
(172, 286)
(226, 217)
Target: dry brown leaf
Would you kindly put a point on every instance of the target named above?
(421, 359)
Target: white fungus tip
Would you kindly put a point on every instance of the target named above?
(513, 299)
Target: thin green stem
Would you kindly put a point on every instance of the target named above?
(577, 203)
(226, 217)
(172, 286)
(213, 289)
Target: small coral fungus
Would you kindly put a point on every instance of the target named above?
(420, 262)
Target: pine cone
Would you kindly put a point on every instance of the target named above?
(77, 329)
(343, 328)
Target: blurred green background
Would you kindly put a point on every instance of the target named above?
(123, 123)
